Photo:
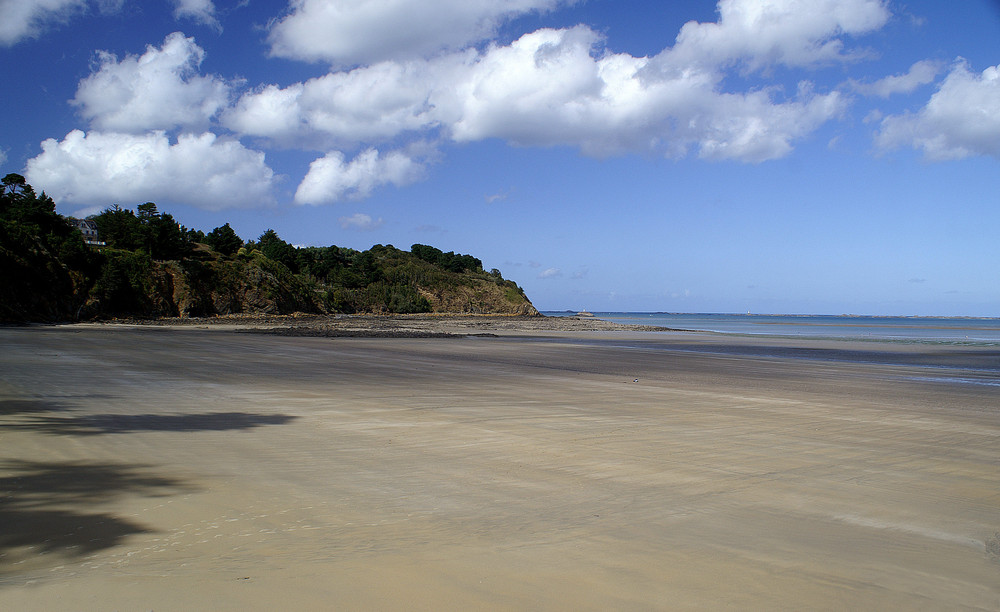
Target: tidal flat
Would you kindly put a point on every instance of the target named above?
(493, 465)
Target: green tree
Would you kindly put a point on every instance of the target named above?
(146, 212)
(276, 249)
(157, 233)
(224, 240)
(18, 202)
(12, 183)
(164, 237)
(36, 214)
(449, 261)
(193, 235)
(120, 228)
(124, 284)
(43, 259)
(427, 253)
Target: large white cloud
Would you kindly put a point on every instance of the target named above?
(342, 109)
(761, 33)
(549, 87)
(158, 90)
(20, 19)
(105, 168)
(546, 89)
(353, 32)
(962, 119)
(332, 178)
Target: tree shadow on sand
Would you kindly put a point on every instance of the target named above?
(43, 508)
(97, 424)
(10, 407)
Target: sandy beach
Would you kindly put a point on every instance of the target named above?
(492, 464)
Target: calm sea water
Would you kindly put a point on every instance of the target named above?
(912, 329)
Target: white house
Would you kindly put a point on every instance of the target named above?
(89, 230)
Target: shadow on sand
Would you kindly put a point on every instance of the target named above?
(96, 424)
(29, 406)
(43, 509)
(48, 510)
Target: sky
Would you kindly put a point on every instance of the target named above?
(770, 156)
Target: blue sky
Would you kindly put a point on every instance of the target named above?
(793, 156)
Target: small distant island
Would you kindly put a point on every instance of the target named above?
(145, 265)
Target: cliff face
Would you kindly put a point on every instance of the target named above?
(129, 284)
(252, 284)
(479, 297)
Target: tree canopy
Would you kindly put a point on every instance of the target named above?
(224, 240)
(449, 261)
(158, 234)
(149, 261)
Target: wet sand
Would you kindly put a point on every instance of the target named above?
(156, 468)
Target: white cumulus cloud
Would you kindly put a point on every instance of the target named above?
(106, 168)
(158, 90)
(762, 33)
(354, 32)
(342, 109)
(961, 119)
(549, 87)
(331, 178)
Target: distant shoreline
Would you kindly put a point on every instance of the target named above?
(598, 313)
(369, 325)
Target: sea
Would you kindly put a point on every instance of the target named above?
(932, 330)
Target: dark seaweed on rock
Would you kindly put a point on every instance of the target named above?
(319, 332)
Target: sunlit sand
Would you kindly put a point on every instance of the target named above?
(180, 469)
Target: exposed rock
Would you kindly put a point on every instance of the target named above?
(479, 297)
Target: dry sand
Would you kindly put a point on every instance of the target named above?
(185, 469)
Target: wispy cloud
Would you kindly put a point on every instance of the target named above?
(919, 74)
(495, 197)
(201, 11)
(28, 18)
(361, 221)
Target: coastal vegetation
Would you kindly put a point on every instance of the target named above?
(144, 264)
